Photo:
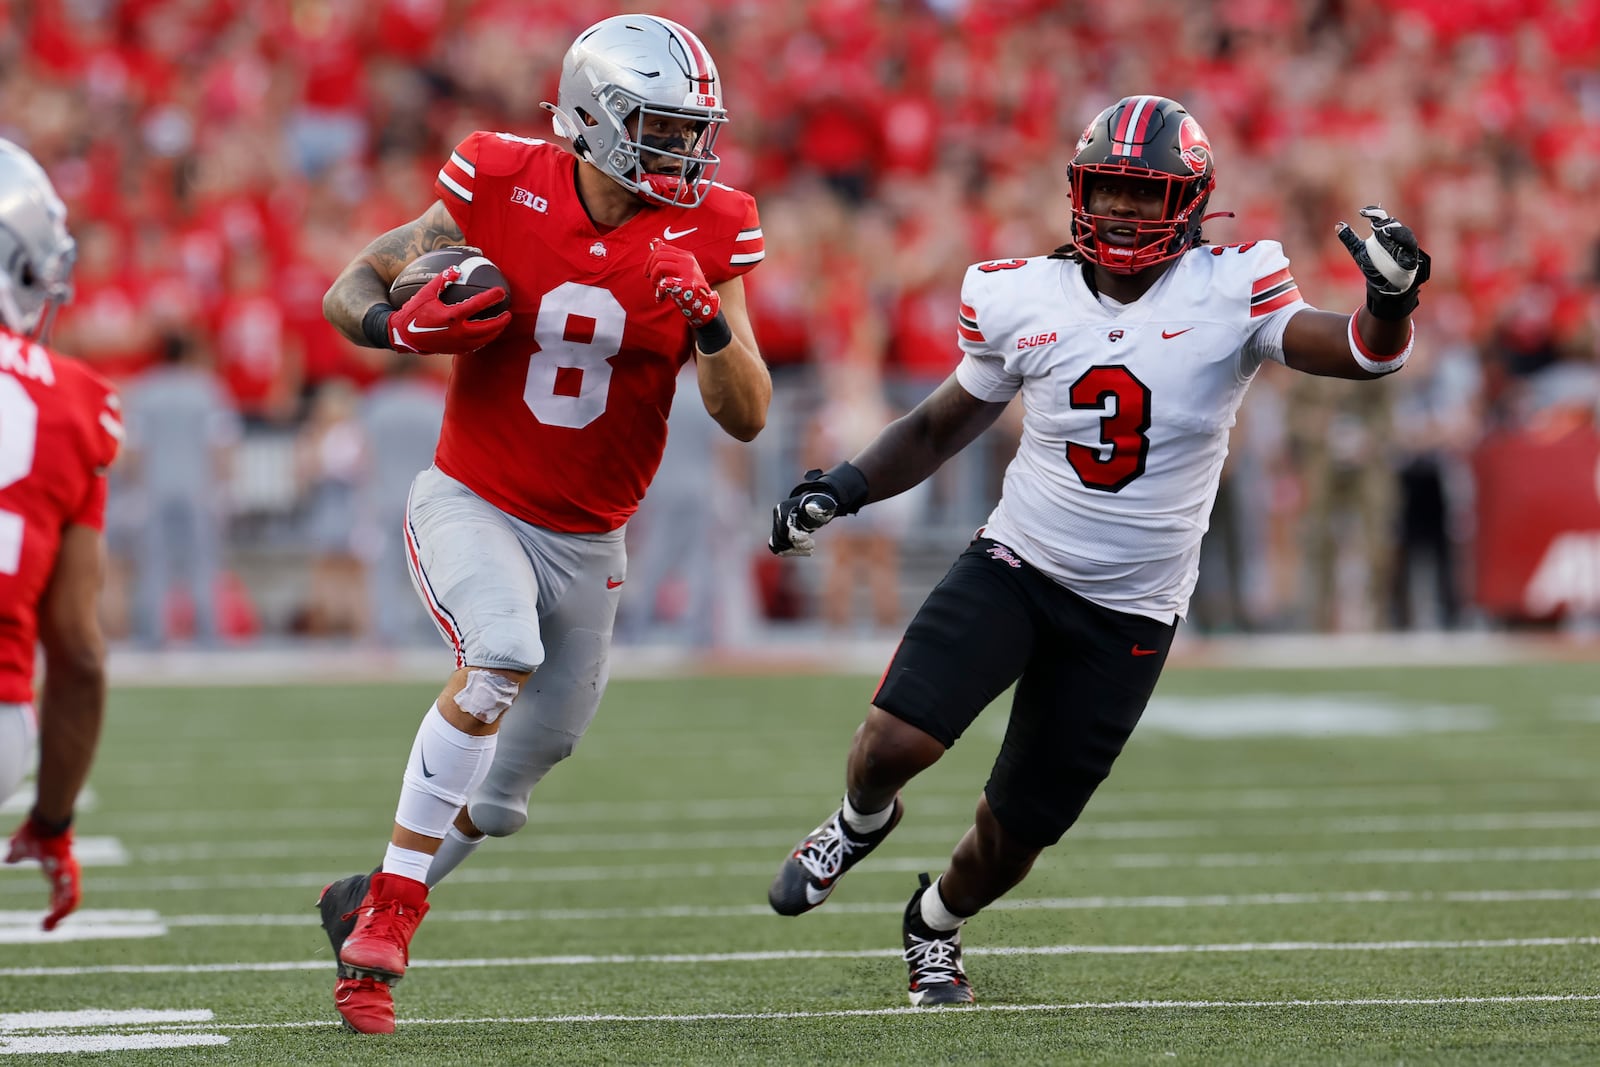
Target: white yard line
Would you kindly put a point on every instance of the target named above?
(840, 909)
(633, 872)
(726, 840)
(676, 959)
(976, 1009)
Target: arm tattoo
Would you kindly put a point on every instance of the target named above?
(365, 281)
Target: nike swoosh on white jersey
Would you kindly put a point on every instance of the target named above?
(412, 327)
(815, 895)
(672, 235)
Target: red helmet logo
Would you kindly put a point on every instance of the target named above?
(1193, 147)
(1087, 135)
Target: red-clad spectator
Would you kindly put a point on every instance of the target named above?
(108, 323)
(258, 355)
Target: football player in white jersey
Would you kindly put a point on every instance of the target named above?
(1131, 348)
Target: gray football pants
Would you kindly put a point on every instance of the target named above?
(508, 594)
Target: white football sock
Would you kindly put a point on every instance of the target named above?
(934, 913)
(456, 847)
(864, 822)
(446, 765)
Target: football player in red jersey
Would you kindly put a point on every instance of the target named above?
(624, 260)
(59, 432)
(1131, 350)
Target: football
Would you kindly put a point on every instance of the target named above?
(477, 275)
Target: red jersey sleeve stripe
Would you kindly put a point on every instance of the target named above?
(1271, 281)
(968, 311)
(969, 334)
(457, 176)
(1283, 299)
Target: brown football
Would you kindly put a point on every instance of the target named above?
(477, 275)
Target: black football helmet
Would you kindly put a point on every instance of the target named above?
(1151, 138)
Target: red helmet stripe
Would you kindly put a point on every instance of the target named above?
(699, 60)
(1131, 131)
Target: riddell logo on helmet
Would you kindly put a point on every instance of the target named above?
(1193, 146)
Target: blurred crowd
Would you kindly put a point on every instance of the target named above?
(223, 159)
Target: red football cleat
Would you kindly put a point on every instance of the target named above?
(380, 945)
(365, 1004)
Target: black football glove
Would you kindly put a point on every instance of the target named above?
(1392, 261)
(813, 504)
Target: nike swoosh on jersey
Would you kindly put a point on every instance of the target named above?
(815, 895)
(672, 235)
(1174, 333)
(612, 583)
(1137, 651)
(423, 754)
(412, 327)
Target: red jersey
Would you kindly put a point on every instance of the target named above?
(561, 420)
(60, 426)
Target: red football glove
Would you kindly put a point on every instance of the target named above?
(60, 866)
(677, 274)
(427, 324)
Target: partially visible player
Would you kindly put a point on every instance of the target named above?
(1131, 349)
(59, 432)
(624, 260)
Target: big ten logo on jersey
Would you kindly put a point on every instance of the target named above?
(519, 195)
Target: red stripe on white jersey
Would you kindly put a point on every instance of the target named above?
(1271, 281)
(1282, 300)
(970, 334)
(969, 311)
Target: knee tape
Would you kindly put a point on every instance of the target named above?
(487, 695)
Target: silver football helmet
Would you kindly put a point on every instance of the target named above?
(618, 75)
(36, 251)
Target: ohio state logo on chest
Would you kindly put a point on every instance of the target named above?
(1034, 340)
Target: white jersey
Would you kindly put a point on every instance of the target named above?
(1126, 410)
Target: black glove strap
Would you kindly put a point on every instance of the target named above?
(845, 483)
(1392, 307)
(375, 325)
(713, 337)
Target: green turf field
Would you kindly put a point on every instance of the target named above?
(1345, 866)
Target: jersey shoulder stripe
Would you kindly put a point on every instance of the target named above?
(1275, 290)
(967, 324)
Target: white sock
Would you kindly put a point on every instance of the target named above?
(456, 847)
(934, 913)
(446, 765)
(864, 822)
(406, 862)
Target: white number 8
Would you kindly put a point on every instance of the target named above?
(579, 330)
(19, 433)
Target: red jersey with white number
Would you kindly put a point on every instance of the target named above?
(561, 421)
(1126, 410)
(60, 426)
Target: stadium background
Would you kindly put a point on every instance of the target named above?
(222, 160)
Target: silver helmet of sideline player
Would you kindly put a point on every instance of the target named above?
(1145, 138)
(618, 76)
(36, 251)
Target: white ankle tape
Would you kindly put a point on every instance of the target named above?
(934, 912)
